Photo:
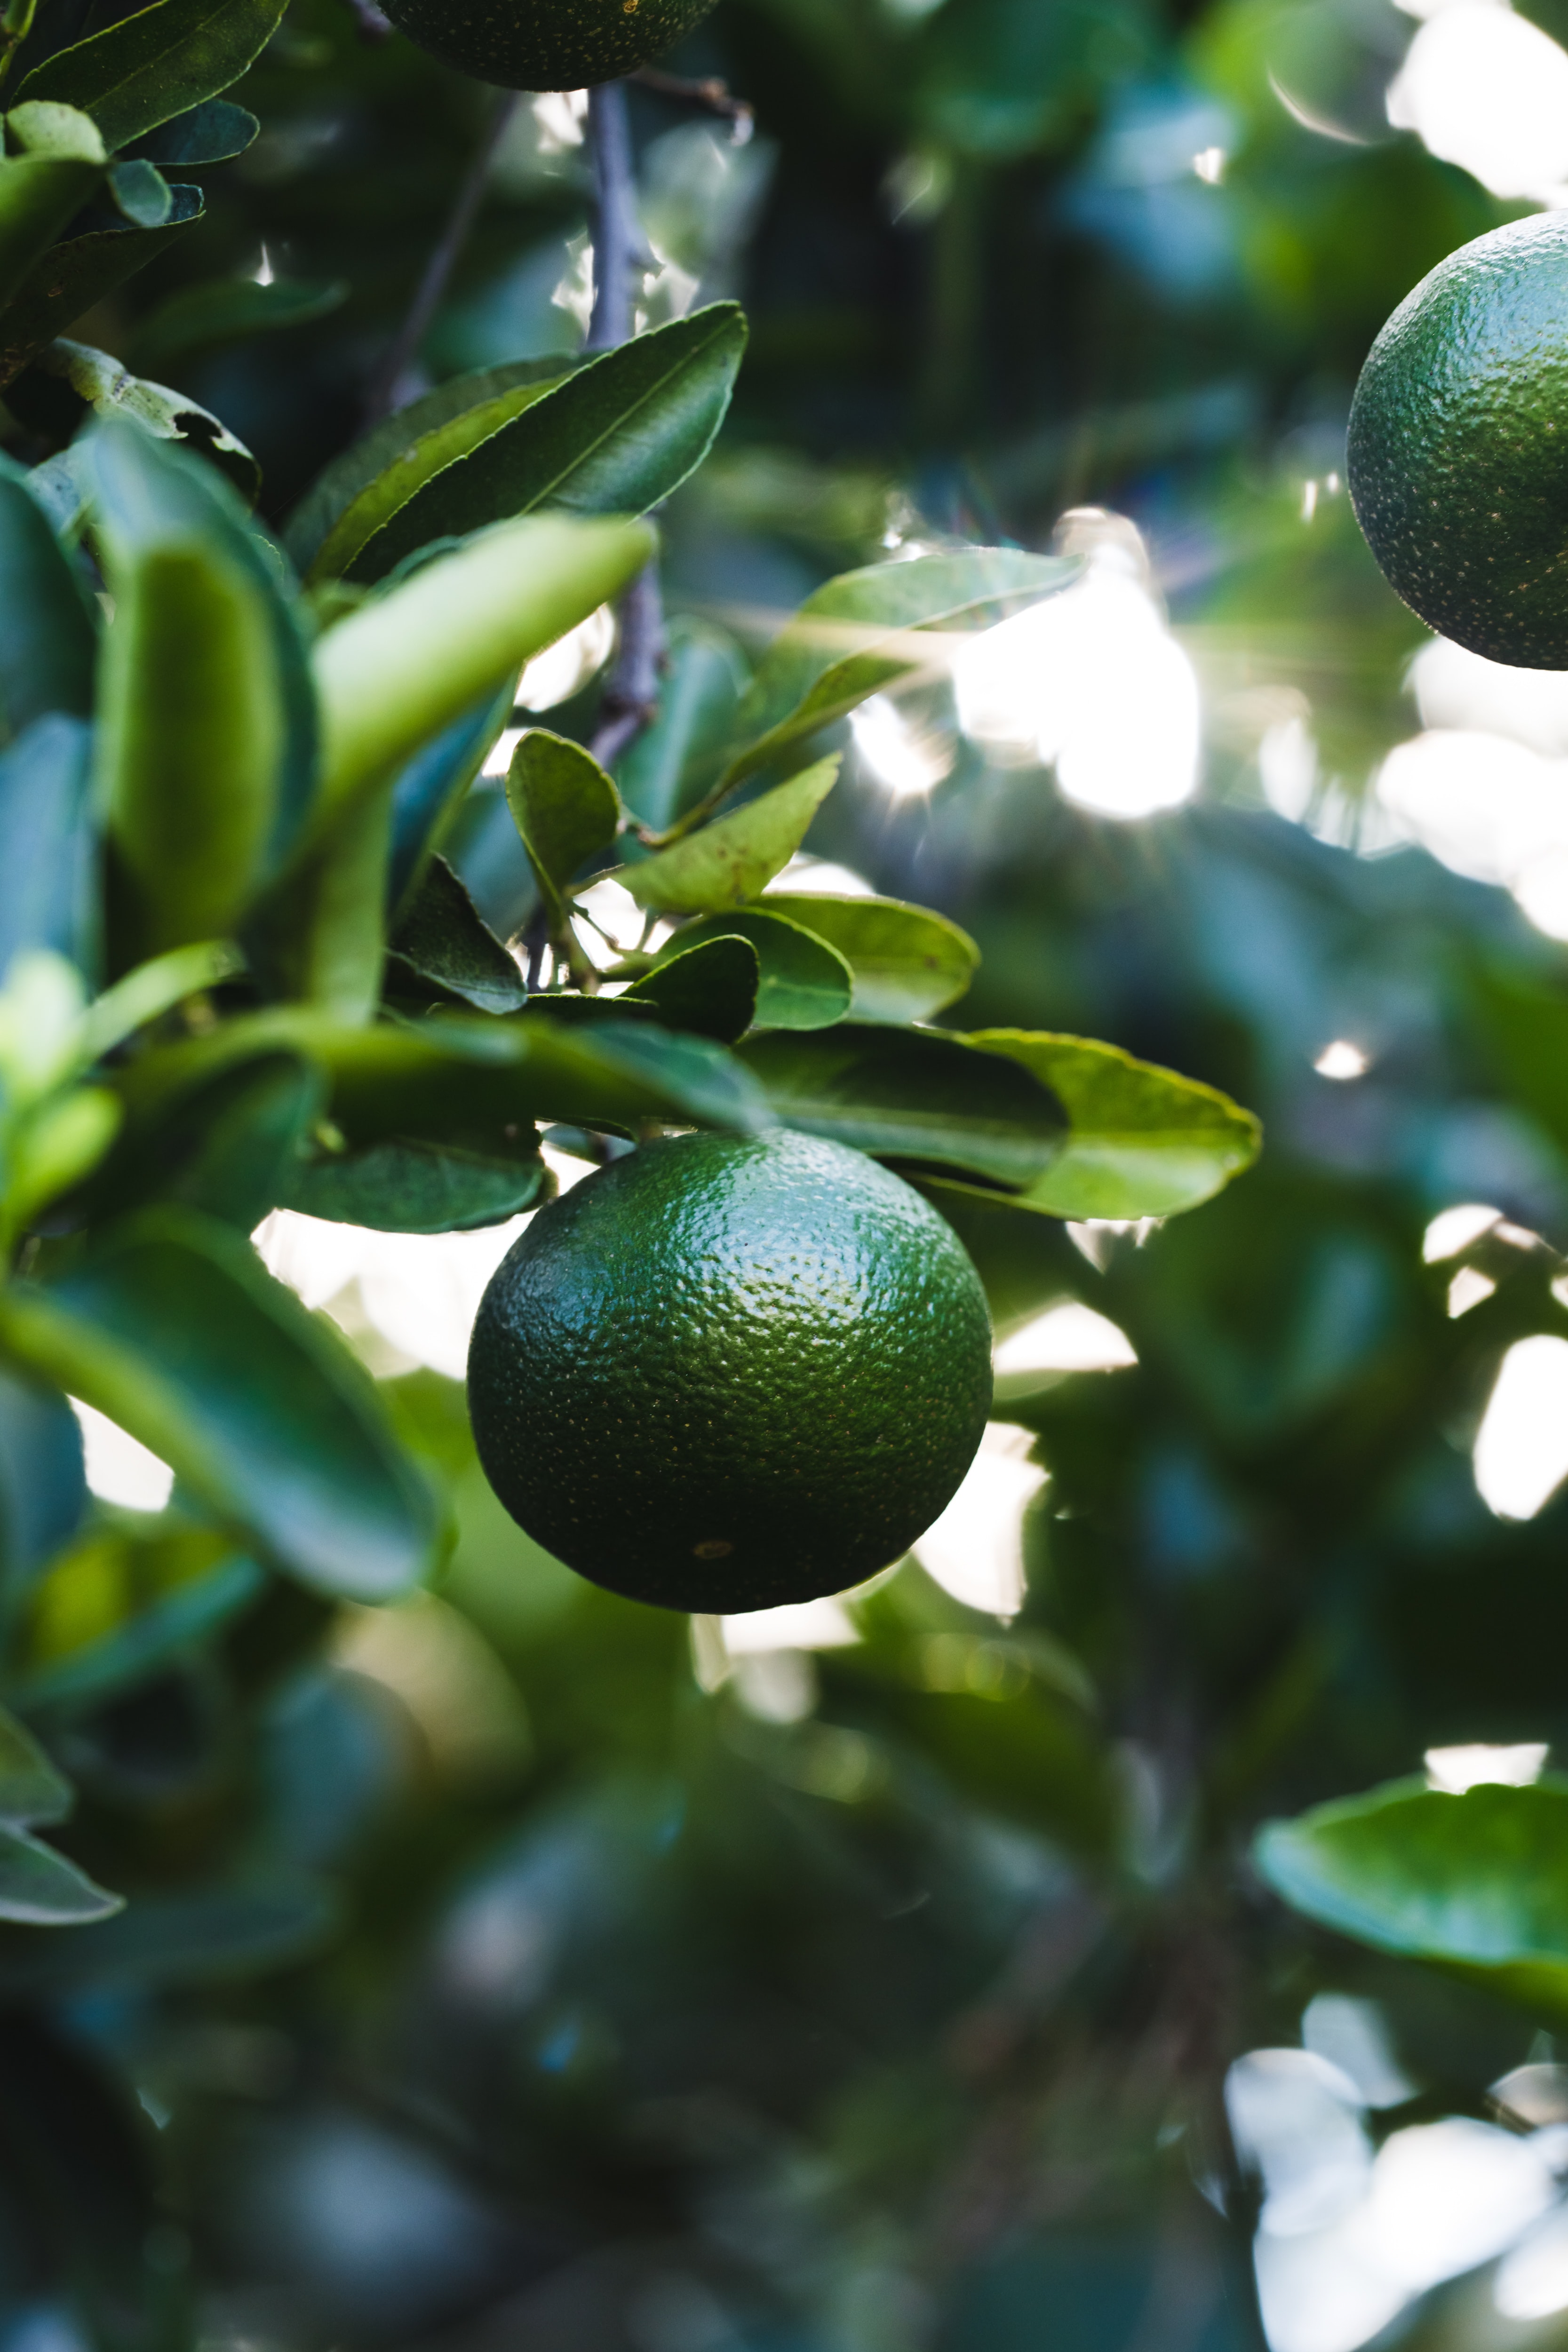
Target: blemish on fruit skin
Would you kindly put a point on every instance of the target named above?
(715, 1547)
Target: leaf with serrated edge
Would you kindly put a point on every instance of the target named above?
(708, 988)
(735, 858)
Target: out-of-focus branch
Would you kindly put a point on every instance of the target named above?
(712, 94)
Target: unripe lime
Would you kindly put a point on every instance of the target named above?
(1458, 446)
(546, 44)
(727, 1373)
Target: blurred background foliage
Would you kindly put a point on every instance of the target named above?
(517, 1966)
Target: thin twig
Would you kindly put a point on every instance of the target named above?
(383, 397)
(631, 695)
(712, 94)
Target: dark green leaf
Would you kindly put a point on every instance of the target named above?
(417, 1188)
(59, 164)
(149, 68)
(230, 1147)
(911, 1094)
(31, 1790)
(173, 1328)
(43, 1489)
(735, 858)
(120, 1605)
(39, 1888)
(187, 1939)
(565, 809)
(906, 963)
(74, 275)
(209, 133)
(709, 989)
(48, 844)
(229, 310)
(441, 938)
(1143, 1142)
(616, 437)
(141, 194)
(67, 379)
(48, 644)
(861, 632)
(428, 791)
(805, 984)
(395, 457)
(1478, 1882)
(678, 759)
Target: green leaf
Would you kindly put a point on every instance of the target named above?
(319, 936)
(565, 809)
(805, 984)
(230, 1147)
(152, 990)
(674, 762)
(441, 938)
(59, 1143)
(186, 1938)
(1476, 1884)
(73, 276)
(205, 674)
(616, 437)
(906, 962)
(861, 632)
(39, 1888)
(67, 379)
(43, 1489)
(149, 68)
(48, 843)
(407, 663)
(120, 1605)
(1143, 1142)
(911, 1094)
(172, 1328)
(418, 1188)
(429, 789)
(733, 858)
(61, 163)
(230, 310)
(31, 1790)
(50, 642)
(360, 490)
(212, 132)
(141, 194)
(709, 989)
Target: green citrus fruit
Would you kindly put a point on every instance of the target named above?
(546, 44)
(730, 1371)
(1458, 446)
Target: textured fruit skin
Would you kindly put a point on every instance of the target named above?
(1458, 446)
(546, 44)
(727, 1373)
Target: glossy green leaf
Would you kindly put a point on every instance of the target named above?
(319, 936)
(709, 989)
(150, 67)
(418, 1188)
(911, 1094)
(172, 1328)
(55, 1147)
(1476, 1883)
(565, 808)
(385, 466)
(48, 644)
(79, 272)
(403, 666)
(673, 762)
(67, 379)
(31, 1790)
(205, 676)
(1143, 1142)
(230, 1147)
(616, 437)
(120, 1605)
(140, 193)
(57, 160)
(906, 962)
(428, 791)
(212, 132)
(230, 311)
(735, 858)
(861, 632)
(805, 984)
(39, 1888)
(441, 938)
(48, 844)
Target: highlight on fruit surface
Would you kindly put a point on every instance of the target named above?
(728, 1372)
(546, 44)
(1458, 446)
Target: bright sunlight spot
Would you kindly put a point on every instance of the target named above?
(975, 1550)
(1532, 2282)
(820, 876)
(1453, 1230)
(1521, 1449)
(907, 761)
(1068, 1338)
(119, 1469)
(1092, 683)
(801, 1625)
(1468, 1290)
(565, 668)
(1454, 1769)
(1489, 91)
(1343, 1060)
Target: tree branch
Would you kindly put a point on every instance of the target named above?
(712, 94)
(383, 398)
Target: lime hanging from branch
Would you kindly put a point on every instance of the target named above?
(546, 44)
(729, 1372)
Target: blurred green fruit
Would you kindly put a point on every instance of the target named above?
(1458, 446)
(729, 1372)
(546, 44)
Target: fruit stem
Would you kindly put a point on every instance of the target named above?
(385, 393)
